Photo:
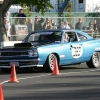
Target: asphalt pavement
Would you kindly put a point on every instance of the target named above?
(76, 82)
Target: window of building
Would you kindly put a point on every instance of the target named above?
(80, 1)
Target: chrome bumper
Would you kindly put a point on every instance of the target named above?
(20, 63)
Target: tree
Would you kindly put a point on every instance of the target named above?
(40, 4)
(69, 9)
(69, 15)
(95, 14)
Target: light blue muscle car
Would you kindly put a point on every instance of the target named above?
(41, 48)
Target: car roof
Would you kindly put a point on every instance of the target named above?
(54, 30)
(62, 30)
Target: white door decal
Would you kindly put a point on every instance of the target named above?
(77, 51)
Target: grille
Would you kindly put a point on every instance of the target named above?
(14, 53)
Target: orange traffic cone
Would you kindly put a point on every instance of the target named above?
(13, 77)
(56, 70)
(1, 93)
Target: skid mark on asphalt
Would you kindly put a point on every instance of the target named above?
(51, 74)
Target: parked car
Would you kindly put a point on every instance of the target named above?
(41, 48)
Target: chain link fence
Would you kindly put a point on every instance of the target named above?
(20, 27)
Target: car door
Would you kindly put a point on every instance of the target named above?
(88, 45)
(73, 50)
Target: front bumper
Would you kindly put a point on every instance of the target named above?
(20, 63)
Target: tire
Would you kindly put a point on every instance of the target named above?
(49, 65)
(94, 61)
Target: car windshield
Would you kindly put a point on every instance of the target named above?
(45, 37)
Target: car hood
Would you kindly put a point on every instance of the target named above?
(30, 44)
(23, 45)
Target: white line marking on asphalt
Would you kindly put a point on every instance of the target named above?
(51, 74)
(33, 77)
(26, 78)
(5, 82)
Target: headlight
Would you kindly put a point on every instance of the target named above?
(32, 53)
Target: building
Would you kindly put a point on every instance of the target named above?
(78, 5)
(59, 5)
(86, 5)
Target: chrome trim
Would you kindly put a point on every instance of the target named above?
(14, 51)
(17, 56)
(5, 66)
(27, 51)
(1, 66)
(22, 66)
(20, 60)
(31, 66)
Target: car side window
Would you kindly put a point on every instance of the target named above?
(72, 36)
(57, 36)
(33, 38)
(81, 37)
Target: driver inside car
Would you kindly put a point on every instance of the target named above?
(66, 38)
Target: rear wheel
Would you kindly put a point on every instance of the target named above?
(94, 61)
(49, 65)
